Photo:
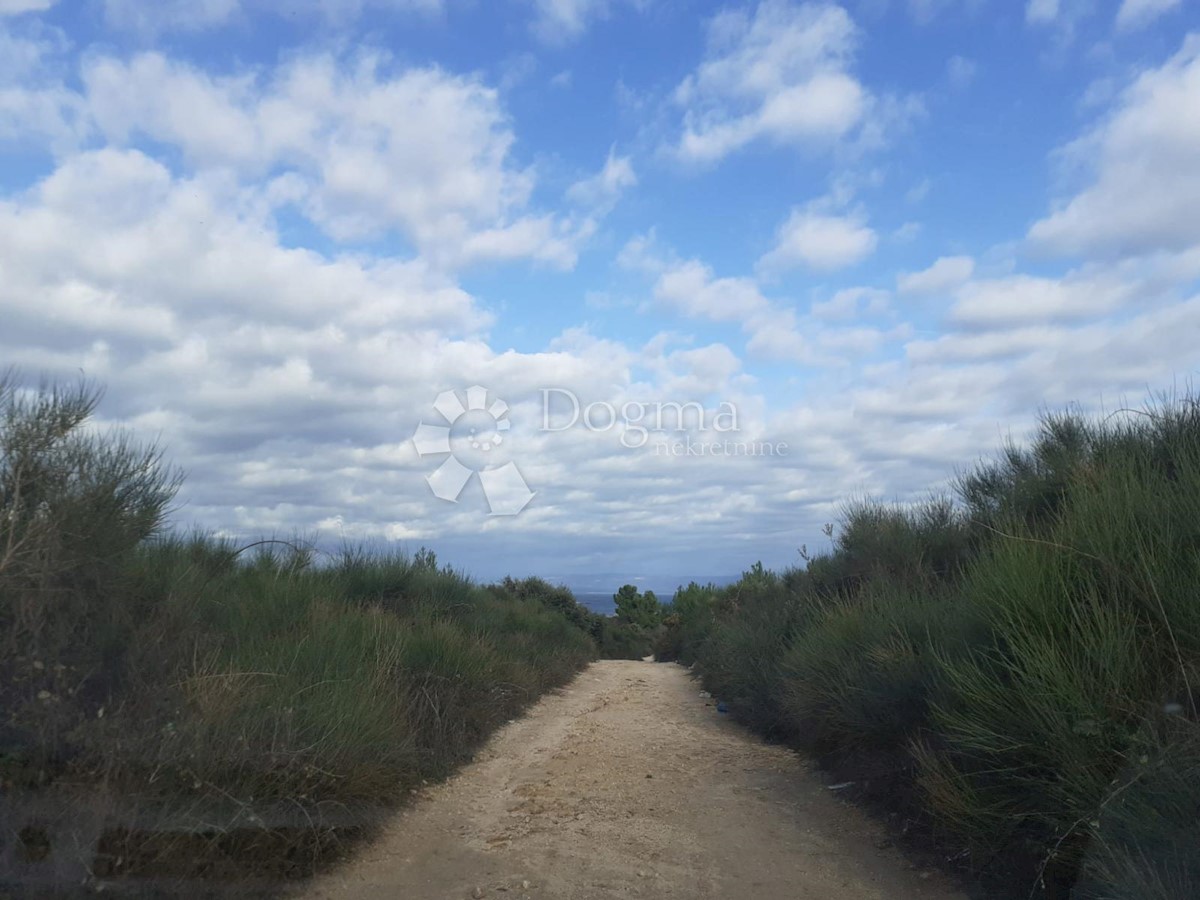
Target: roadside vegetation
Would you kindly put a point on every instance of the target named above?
(629, 634)
(198, 684)
(1010, 673)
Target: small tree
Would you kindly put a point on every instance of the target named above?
(74, 504)
(636, 608)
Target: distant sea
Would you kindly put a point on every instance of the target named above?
(586, 588)
(596, 602)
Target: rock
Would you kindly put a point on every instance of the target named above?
(525, 885)
(478, 893)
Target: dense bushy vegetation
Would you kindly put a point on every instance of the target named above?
(1014, 673)
(167, 667)
(616, 637)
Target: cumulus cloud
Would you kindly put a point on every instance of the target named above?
(16, 7)
(820, 241)
(692, 288)
(563, 21)
(209, 332)
(926, 11)
(1061, 19)
(1138, 13)
(288, 382)
(118, 225)
(1040, 12)
(780, 74)
(1025, 299)
(946, 274)
(772, 327)
(35, 106)
(360, 149)
(202, 241)
(960, 71)
(198, 15)
(602, 190)
(853, 303)
(1144, 162)
(182, 15)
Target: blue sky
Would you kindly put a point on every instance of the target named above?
(885, 232)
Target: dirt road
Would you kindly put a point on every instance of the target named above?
(627, 784)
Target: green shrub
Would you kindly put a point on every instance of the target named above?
(554, 597)
(188, 670)
(74, 508)
(687, 620)
(861, 676)
(739, 660)
(1094, 627)
(1146, 835)
(917, 546)
(623, 640)
(1021, 666)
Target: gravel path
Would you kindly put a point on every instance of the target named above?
(629, 784)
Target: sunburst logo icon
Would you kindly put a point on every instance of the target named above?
(474, 442)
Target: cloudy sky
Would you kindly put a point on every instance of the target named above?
(879, 236)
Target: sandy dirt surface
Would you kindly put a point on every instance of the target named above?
(629, 784)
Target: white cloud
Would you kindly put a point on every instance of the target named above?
(1061, 19)
(852, 303)
(918, 191)
(181, 15)
(198, 15)
(772, 329)
(925, 11)
(119, 224)
(780, 75)
(961, 71)
(16, 7)
(286, 380)
(1041, 12)
(35, 106)
(602, 190)
(1137, 13)
(366, 151)
(820, 241)
(692, 288)
(562, 21)
(1145, 165)
(946, 274)
(1025, 299)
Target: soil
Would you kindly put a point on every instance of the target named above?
(630, 783)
